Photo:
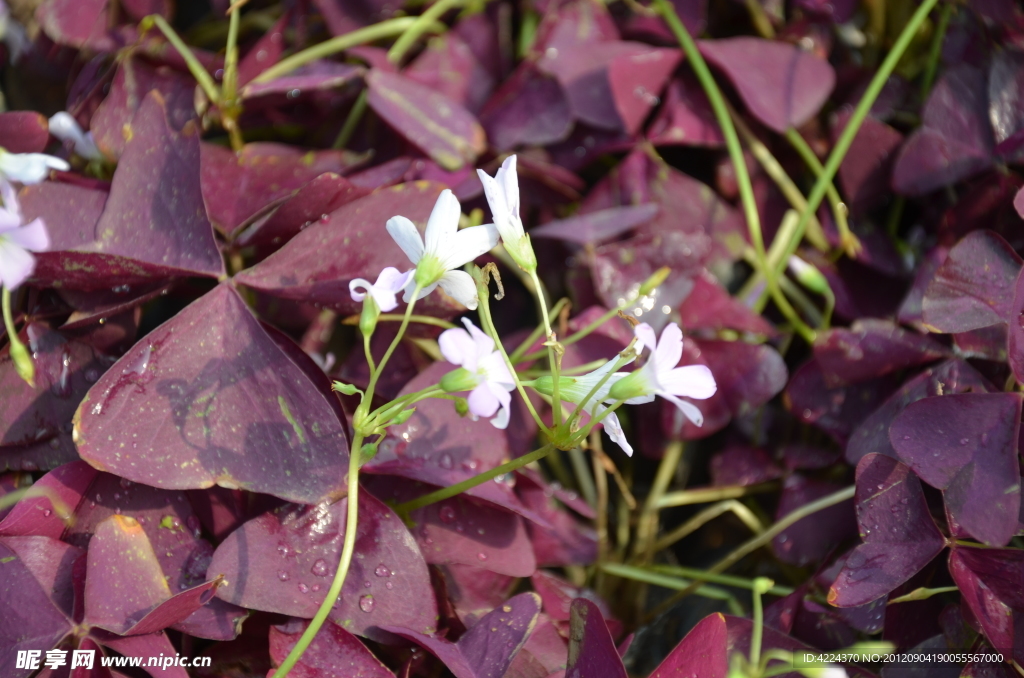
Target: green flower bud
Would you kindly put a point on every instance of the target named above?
(634, 385)
(23, 361)
(458, 380)
(808, 275)
(368, 318)
(403, 416)
(347, 389)
(461, 407)
(367, 452)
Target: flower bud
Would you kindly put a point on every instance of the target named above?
(458, 380)
(808, 275)
(347, 389)
(368, 317)
(23, 361)
(403, 416)
(633, 385)
(461, 407)
(367, 452)
(521, 251)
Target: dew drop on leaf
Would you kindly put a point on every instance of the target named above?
(367, 603)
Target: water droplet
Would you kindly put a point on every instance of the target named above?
(314, 588)
(447, 514)
(367, 584)
(906, 437)
(388, 585)
(319, 568)
(47, 513)
(964, 441)
(303, 588)
(283, 549)
(445, 461)
(382, 571)
(283, 576)
(481, 556)
(367, 603)
(984, 438)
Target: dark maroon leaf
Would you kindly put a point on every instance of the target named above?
(1005, 77)
(36, 421)
(284, 560)
(871, 348)
(595, 227)
(35, 583)
(575, 23)
(611, 85)
(872, 435)
(966, 445)
(1015, 335)
(449, 66)
(810, 539)
(709, 306)
(800, 456)
(487, 649)
(303, 81)
(435, 124)
(989, 343)
(334, 651)
(686, 117)
(701, 653)
(989, 581)
(864, 173)
(899, 534)
(837, 411)
(152, 645)
(111, 123)
(530, 108)
(238, 187)
(224, 405)
(742, 465)
(266, 52)
(76, 24)
(782, 85)
(24, 132)
(567, 541)
(356, 235)
(592, 652)
(973, 287)
(955, 138)
(318, 198)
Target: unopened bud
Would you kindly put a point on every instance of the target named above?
(367, 452)
(458, 380)
(403, 416)
(808, 275)
(23, 361)
(461, 407)
(652, 282)
(347, 389)
(368, 318)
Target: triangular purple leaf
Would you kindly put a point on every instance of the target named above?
(592, 652)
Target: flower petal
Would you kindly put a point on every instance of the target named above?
(10, 198)
(484, 344)
(443, 224)
(495, 195)
(458, 348)
(359, 283)
(392, 279)
(16, 264)
(32, 236)
(689, 410)
(692, 381)
(670, 348)
(613, 427)
(509, 180)
(645, 334)
(407, 236)
(493, 365)
(30, 168)
(500, 421)
(482, 401)
(468, 244)
(460, 286)
(66, 128)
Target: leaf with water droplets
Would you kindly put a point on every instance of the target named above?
(809, 540)
(486, 650)
(1015, 335)
(870, 348)
(210, 398)
(899, 534)
(333, 652)
(966, 446)
(701, 653)
(592, 651)
(974, 286)
(283, 561)
(990, 585)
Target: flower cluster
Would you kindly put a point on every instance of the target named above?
(482, 370)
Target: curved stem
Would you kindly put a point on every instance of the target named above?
(19, 354)
(197, 70)
(406, 508)
(352, 121)
(849, 241)
(347, 550)
(420, 26)
(375, 375)
(554, 361)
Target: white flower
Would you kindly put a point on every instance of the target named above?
(484, 372)
(12, 34)
(29, 168)
(828, 671)
(660, 376)
(18, 241)
(389, 283)
(66, 128)
(446, 248)
(502, 193)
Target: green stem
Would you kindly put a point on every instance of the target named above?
(848, 240)
(846, 138)
(458, 488)
(352, 121)
(922, 594)
(398, 317)
(517, 355)
(732, 143)
(369, 354)
(197, 70)
(723, 579)
(554, 362)
(375, 375)
(19, 354)
(654, 578)
(347, 549)
(385, 29)
(935, 52)
(230, 109)
(419, 27)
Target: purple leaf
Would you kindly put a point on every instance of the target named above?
(80, 24)
(487, 649)
(871, 348)
(899, 534)
(238, 187)
(283, 561)
(334, 651)
(265, 52)
(686, 117)
(810, 539)
(152, 645)
(872, 435)
(223, 405)
(611, 85)
(700, 654)
(33, 572)
(356, 235)
(134, 79)
(36, 421)
(742, 465)
(318, 198)
(528, 109)
(1005, 78)
(432, 122)
(567, 541)
(989, 581)
(1015, 336)
(578, 22)
(449, 66)
(24, 131)
(974, 286)
(864, 173)
(955, 138)
(594, 227)
(782, 85)
(592, 652)
(306, 80)
(966, 445)
(709, 306)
